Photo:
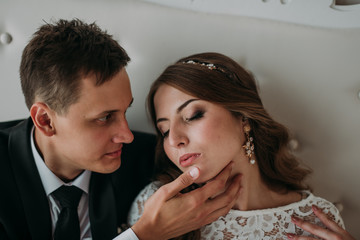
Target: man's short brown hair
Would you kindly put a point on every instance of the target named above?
(59, 55)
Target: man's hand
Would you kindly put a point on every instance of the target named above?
(168, 213)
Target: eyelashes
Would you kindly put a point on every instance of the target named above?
(165, 134)
(105, 119)
(195, 116)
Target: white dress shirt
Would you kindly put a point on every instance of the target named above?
(51, 182)
(127, 235)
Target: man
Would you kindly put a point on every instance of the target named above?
(77, 90)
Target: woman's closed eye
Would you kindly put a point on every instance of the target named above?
(163, 131)
(197, 115)
(165, 134)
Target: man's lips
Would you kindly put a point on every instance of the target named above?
(187, 159)
(115, 154)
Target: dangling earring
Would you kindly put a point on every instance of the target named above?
(249, 145)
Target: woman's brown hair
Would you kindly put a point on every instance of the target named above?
(220, 80)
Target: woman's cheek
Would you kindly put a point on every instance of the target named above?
(171, 156)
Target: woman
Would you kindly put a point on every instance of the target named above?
(207, 112)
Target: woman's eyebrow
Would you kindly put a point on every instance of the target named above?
(182, 106)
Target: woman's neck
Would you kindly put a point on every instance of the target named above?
(256, 195)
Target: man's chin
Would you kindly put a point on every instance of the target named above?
(109, 166)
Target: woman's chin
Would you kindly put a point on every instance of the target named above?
(200, 183)
(203, 180)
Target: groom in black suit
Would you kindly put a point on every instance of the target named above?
(77, 90)
(24, 206)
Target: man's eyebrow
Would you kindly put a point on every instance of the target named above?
(179, 109)
(115, 110)
(106, 112)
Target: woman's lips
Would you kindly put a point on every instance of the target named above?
(187, 159)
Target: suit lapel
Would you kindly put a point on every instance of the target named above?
(102, 207)
(32, 193)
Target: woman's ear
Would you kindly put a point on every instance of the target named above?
(244, 121)
(42, 116)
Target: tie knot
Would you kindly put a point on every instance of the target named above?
(68, 196)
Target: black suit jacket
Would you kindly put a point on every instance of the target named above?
(24, 208)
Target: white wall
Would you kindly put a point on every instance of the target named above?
(309, 76)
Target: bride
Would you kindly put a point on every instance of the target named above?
(207, 112)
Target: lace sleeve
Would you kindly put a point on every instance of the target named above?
(331, 211)
(137, 207)
(272, 223)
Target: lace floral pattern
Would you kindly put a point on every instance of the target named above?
(267, 224)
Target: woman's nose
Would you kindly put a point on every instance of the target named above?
(177, 137)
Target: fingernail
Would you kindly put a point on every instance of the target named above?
(290, 236)
(295, 219)
(194, 173)
(315, 208)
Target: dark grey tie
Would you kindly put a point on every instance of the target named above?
(67, 225)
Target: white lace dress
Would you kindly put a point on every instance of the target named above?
(268, 224)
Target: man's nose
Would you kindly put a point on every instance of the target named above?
(123, 133)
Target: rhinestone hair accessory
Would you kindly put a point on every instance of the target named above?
(210, 66)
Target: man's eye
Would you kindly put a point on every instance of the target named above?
(104, 119)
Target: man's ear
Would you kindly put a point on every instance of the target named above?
(42, 117)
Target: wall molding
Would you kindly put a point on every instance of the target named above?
(317, 13)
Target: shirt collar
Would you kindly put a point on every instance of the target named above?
(49, 180)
